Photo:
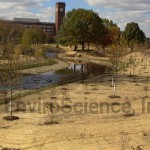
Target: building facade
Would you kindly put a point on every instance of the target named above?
(59, 15)
(51, 29)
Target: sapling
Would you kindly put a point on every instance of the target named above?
(140, 72)
(53, 92)
(130, 71)
(114, 92)
(133, 70)
(50, 105)
(146, 90)
(146, 71)
(65, 92)
(101, 78)
(124, 141)
(147, 78)
(134, 79)
(86, 88)
(142, 61)
(112, 82)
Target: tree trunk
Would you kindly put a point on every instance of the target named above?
(10, 109)
(112, 82)
(74, 67)
(130, 71)
(75, 47)
(52, 116)
(82, 68)
(131, 47)
(82, 46)
(114, 92)
(97, 46)
(103, 48)
(88, 46)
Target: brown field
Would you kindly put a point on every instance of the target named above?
(87, 130)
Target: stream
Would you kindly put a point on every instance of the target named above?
(31, 82)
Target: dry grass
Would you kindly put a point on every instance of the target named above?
(86, 130)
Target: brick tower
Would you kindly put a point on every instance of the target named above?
(59, 14)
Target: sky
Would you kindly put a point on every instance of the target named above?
(120, 11)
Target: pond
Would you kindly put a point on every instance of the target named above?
(51, 54)
(89, 68)
(30, 82)
(39, 81)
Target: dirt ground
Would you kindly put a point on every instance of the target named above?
(118, 126)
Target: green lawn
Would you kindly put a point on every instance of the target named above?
(47, 62)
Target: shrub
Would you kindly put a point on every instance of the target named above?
(22, 50)
(18, 50)
(39, 53)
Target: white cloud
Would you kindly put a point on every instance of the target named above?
(121, 4)
(121, 11)
(124, 11)
(26, 8)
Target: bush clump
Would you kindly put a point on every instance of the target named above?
(23, 50)
(39, 53)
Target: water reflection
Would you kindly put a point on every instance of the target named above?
(51, 54)
(96, 69)
(31, 82)
(89, 68)
(40, 80)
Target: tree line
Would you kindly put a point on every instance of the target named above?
(82, 26)
(12, 34)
